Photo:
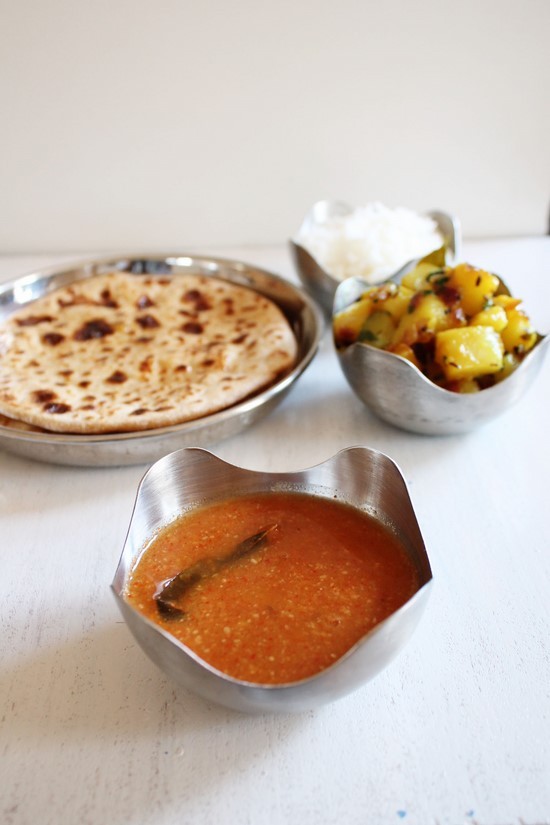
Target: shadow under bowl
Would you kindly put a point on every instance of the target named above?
(359, 476)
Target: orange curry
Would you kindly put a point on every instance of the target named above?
(272, 587)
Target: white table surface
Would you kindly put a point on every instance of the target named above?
(456, 730)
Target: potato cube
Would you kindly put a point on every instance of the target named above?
(468, 385)
(468, 352)
(476, 287)
(378, 329)
(406, 352)
(494, 316)
(397, 303)
(347, 324)
(506, 301)
(426, 314)
(518, 336)
(417, 278)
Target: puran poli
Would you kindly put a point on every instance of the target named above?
(120, 352)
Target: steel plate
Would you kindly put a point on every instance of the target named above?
(115, 449)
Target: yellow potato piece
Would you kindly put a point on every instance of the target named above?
(494, 316)
(518, 336)
(476, 287)
(347, 324)
(378, 329)
(424, 317)
(397, 303)
(506, 301)
(417, 278)
(406, 352)
(468, 385)
(468, 352)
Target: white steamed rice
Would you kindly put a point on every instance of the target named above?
(372, 242)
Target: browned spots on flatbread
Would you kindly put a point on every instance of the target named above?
(72, 301)
(107, 299)
(229, 305)
(53, 338)
(75, 299)
(198, 299)
(56, 409)
(191, 295)
(117, 377)
(33, 320)
(144, 302)
(43, 396)
(91, 330)
(147, 322)
(193, 328)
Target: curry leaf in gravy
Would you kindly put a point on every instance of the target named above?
(169, 595)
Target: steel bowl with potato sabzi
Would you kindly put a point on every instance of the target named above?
(438, 349)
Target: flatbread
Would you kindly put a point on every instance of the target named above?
(21, 426)
(120, 352)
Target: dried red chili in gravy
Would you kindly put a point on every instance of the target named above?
(326, 574)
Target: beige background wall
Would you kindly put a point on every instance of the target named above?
(131, 124)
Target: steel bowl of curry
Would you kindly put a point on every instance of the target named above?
(268, 592)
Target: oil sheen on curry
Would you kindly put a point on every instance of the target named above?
(272, 588)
